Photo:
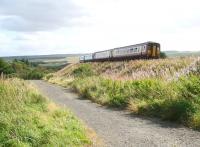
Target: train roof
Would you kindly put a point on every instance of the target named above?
(148, 42)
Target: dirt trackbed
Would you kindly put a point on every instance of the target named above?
(119, 128)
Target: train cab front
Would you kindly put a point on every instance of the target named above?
(153, 50)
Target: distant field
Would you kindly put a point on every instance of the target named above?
(43, 57)
(60, 60)
(179, 53)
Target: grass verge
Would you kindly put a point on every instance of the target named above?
(175, 100)
(28, 119)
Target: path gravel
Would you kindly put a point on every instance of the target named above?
(120, 128)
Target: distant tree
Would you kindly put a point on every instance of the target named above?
(5, 67)
(24, 60)
(2, 65)
(163, 55)
(22, 68)
(15, 60)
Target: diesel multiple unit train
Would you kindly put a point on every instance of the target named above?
(147, 50)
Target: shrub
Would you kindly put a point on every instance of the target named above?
(195, 120)
(163, 55)
(49, 76)
(190, 88)
(83, 70)
(22, 69)
(34, 74)
(177, 110)
(5, 67)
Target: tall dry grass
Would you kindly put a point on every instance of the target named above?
(143, 69)
(165, 69)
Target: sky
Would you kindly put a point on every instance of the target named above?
(38, 27)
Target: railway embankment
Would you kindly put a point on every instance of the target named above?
(144, 87)
(120, 128)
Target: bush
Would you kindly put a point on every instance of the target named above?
(163, 55)
(190, 88)
(83, 70)
(5, 67)
(22, 69)
(177, 110)
(36, 75)
(49, 76)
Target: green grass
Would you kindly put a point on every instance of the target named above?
(84, 70)
(173, 100)
(29, 119)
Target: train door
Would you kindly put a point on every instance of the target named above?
(158, 51)
(149, 50)
(154, 50)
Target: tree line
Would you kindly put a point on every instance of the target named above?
(21, 68)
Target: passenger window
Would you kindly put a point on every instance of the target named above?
(135, 49)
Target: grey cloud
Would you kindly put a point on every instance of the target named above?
(38, 15)
(20, 37)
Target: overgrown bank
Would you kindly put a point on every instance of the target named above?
(175, 101)
(29, 119)
(152, 96)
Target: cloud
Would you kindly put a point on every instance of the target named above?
(80, 26)
(38, 15)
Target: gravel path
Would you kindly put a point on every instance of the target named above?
(119, 128)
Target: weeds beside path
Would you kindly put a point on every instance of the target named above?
(27, 119)
(119, 128)
(157, 96)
